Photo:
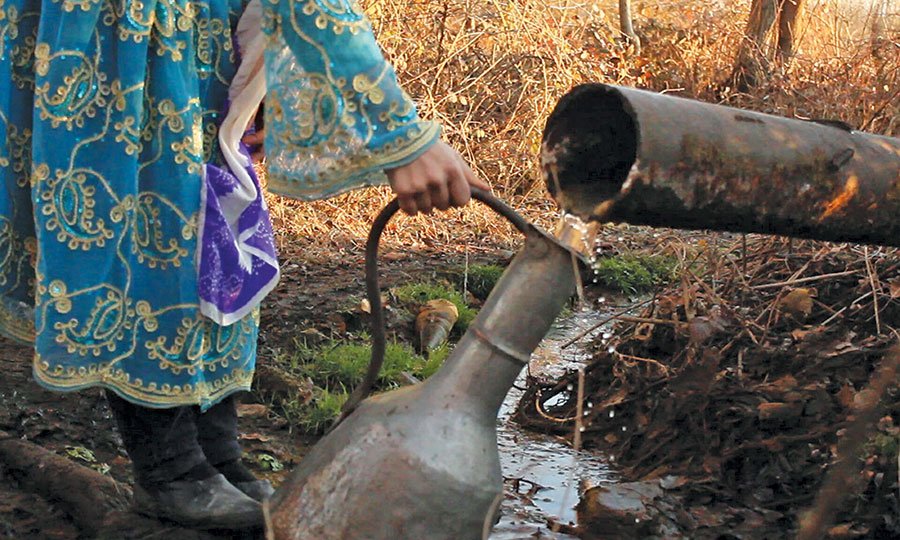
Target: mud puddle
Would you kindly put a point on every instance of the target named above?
(542, 473)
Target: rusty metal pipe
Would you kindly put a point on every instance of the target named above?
(619, 154)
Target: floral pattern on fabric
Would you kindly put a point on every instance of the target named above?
(335, 114)
(110, 113)
(107, 126)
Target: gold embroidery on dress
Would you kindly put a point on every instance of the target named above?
(148, 236)
(14, 256)
(107, 325)
(111, 316)
(70, 202)
(204, 344)
(326, 123)
(341, 15)
(21, 57)
(84, 5)
(69, 98)
(152, 393)
(9, 26)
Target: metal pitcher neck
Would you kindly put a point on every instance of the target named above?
(515, 317)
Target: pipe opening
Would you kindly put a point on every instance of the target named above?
(590, 143)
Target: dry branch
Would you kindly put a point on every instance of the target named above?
(835, 488)
(86, 495)
(98, 505)
(746, 411)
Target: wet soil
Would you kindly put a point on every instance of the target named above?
(315, 297)
(543, 473)
(755, 397)
(320, 295)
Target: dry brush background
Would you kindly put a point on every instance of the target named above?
(492, 71)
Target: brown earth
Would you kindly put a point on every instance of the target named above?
(317, 296)
(740, 443)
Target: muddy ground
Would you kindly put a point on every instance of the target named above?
(316, 297)
(319, 296)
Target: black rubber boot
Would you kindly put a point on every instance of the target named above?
(217, 433)
(212, 503)
(173, 479)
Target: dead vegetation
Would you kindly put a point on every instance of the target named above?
(744, 378)
(492, 71)
(766, 374)
(768, 367)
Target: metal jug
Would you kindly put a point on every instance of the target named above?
(421, 462)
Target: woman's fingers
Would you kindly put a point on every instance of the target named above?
(439, 178)
(423, 202)
(408, 204)
(459, 192)
(439, 194)
(473, 179)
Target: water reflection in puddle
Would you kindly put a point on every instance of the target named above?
(541, 460)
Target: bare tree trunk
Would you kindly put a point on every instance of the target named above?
(626, 25)
(787, 19)
(751, 65)
(876, 26)
(762, 16)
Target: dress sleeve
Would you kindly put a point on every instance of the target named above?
(335, 115)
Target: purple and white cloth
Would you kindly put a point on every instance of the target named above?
(236, 262)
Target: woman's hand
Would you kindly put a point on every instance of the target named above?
(256, 139)
(256, 143)
(439, 178)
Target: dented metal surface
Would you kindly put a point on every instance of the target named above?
(422, 462)
(619, 154)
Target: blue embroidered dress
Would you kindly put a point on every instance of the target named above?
(134, 241)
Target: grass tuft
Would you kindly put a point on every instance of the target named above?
(318, 415)
(634, 273)
(482, 278)
(335, 368)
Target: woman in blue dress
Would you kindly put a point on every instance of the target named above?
(135, 245)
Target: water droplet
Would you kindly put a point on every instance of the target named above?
(601, 300)
(612, 414)
(607, 335)
(569, 387)
(624, 428)
(581, 429)
(611, 349)
(637, 520)
(590, 404)
(621, 239)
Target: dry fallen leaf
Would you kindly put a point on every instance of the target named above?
(778, 412)
(252, 410)
(798, 303)
(894, 286)
(366, 307)
(800, 334)
(845, 396)
(259, 437)
(704, 327)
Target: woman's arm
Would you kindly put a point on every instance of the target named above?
(336, 118)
